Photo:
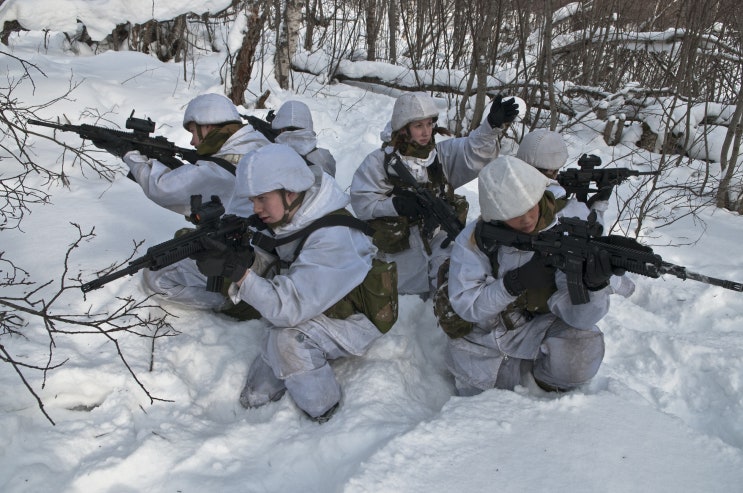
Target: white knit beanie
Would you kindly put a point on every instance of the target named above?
(411, 107)
(272, 167)
(543, 149)
(508, 187)
(210, 109)
(293, 114)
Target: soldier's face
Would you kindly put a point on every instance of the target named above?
(421, 130)
(525, 223)
(198, 132)
(270, 207)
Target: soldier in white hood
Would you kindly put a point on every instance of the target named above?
(302, 338)
(406, 234)
(294, 122)
(216, 130)
(523, 323)
(546, 150)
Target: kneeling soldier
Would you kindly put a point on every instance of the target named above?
(518, 318)
(312, 304)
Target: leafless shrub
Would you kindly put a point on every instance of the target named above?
(39, 311)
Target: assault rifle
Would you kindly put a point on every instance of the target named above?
(439, 210)
(578, 181)
(568, 244)
(263, 126)
(211, 222)
(140, 140)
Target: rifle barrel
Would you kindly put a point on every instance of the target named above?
(682, 273)
(44, 124)
(133, 267)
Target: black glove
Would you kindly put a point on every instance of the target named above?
(604, 194)
(114, 145)
(502, 112)
(217, 259)
(408, 206)
(597, 270)
(533, 274)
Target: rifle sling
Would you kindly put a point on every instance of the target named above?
(340, 217)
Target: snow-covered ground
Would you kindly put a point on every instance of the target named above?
(664, 414)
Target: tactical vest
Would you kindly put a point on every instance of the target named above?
(376, 296)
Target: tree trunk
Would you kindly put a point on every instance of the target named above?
(372, 30)
(310, 7)
(732, 138)
(393, 20)
(286, 46)
(547, 53)
(243, 65)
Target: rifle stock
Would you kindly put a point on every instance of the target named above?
(263, 126)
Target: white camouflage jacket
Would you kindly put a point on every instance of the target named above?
(172, 188)
(332, 262)
(461, 160)
(479, 297)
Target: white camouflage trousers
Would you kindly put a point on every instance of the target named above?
(566, 358)
(296, 359)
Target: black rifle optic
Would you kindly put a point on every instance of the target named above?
(140, 140)
(578, 181)
(210, 221)
(263, 126)
(568, 244)
(443, 214)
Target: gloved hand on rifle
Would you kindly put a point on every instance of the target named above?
(114, 145)
(603, 194)
(218, 259)
(597, 270)
(408, 207)
(502, 112)
(533, 274)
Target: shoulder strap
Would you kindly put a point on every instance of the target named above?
(437, 180)
(490, 249)
(193, 156)
(341, 217)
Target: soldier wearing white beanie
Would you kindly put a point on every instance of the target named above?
(544, 149)
(523, 328)
(217, 130)
(508, 188)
